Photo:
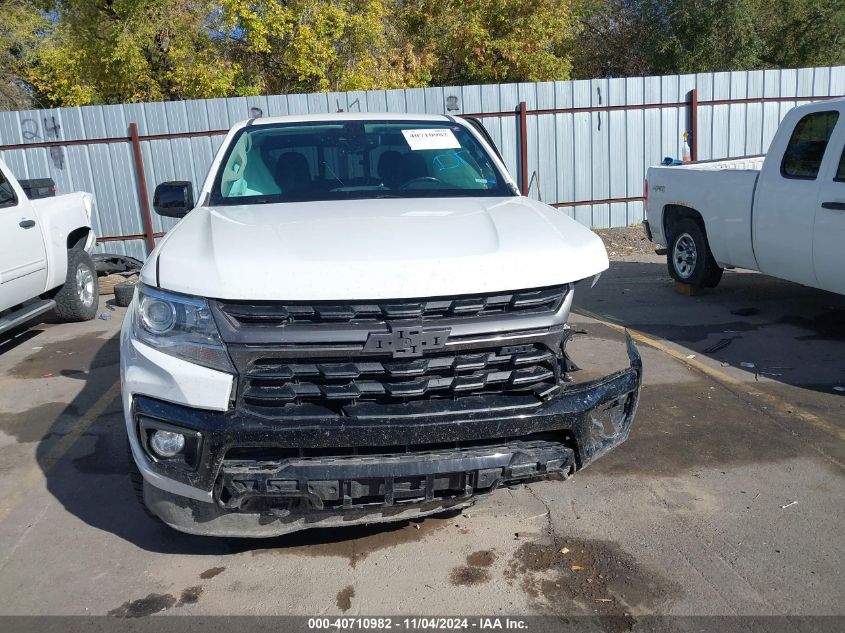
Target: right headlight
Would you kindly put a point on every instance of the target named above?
(179, 325)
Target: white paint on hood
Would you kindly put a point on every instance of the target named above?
(374, 249)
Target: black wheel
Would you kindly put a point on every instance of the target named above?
(79, 298)
(689, 258)
(124, 292)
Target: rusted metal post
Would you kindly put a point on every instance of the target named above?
(146, 216)
(693, 124)
(523, 147)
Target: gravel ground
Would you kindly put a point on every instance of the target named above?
(625, 241)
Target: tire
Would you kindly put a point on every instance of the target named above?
(124, 292)
(78, 299)
(689, 258)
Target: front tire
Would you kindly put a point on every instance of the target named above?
(689, 258)
(78, 299)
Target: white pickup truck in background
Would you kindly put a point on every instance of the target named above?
(782, 215)
(45, 260)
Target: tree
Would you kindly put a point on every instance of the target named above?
(647, 37)
(20, 32)
(320, 45)
(800, 33)
(112, 51)
(484, 41)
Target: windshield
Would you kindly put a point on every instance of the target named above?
(303, 162)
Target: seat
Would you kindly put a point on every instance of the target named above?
(293, 174)
(411, 166)
(388, 168)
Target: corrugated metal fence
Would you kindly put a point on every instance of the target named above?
(583, 146)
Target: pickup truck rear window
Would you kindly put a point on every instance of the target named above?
(803, 155)
(341, 160)
(840, 171)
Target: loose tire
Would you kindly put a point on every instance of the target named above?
(689, 258)
(78, 299)
(124, 292)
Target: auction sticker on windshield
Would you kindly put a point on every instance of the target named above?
(436, 138)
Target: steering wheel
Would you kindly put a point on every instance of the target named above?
(410, 182)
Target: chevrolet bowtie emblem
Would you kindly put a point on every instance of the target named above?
(405, 341)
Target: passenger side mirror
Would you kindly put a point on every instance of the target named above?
(174, 199)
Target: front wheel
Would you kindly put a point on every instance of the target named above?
(689, 258)
(79, 298)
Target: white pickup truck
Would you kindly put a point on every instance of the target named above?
(45, 261)
(361, 321)
(783, 215)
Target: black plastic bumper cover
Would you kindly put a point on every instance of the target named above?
(491, 446)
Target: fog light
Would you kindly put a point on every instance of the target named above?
(167, 443)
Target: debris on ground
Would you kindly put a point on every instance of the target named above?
(105, 316)
(789, 505)
(625, 241)
(716, 347)
(748, 365)
(108, 283)
(110, 264)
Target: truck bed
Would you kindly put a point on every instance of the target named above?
(722, 191)
(747, 163)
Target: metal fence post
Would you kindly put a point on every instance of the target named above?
(693, 124)
(523, 147)
(146, 216)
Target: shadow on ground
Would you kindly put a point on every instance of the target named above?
(771, 323)
(772, 329)
(91, 481)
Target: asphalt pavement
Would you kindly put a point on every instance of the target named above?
(727, 499)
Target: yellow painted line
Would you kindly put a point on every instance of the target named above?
(58, 450)
(738, 387)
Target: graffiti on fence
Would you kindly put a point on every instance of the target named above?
(31, 131)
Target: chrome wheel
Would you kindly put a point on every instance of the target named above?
(684, 255)
(85, 286)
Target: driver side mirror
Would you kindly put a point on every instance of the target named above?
(174, 199)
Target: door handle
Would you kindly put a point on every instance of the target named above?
(28, 224)
(834, 206)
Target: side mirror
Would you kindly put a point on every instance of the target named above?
(174, 199)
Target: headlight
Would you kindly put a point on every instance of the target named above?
(179, 325)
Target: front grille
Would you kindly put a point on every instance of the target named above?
(275, 314)
(271, 382)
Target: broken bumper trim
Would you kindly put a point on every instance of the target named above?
(275, 495)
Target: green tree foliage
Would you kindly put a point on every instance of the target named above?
(484, 41)
(802, 32)
(110, 51)
(71, 52)
(310, 46)
(644, 37)
(21, 30)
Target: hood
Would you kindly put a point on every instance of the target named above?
(374, 249)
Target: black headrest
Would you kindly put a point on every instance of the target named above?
(292, 173)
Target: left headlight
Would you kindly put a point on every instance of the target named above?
(179, 325)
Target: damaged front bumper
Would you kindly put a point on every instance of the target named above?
(244, 475)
